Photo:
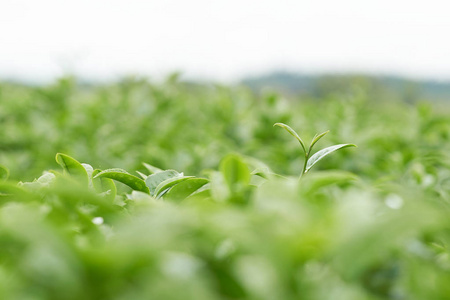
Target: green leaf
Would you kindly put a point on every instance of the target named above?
(154, 180)
(4, 173)
(316, 138)
(235, 171)
(293, 133)
(142, 175)
(72, 167)
(7, 188)
(89, 170)
(13, 192)
(168, 183)
(104, 185)
(259, 168)
(152, 169)
(219, 189)
(124, 177)
(324, 152)
(318, 180)
(185, 189)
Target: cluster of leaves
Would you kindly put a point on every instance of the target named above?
(243, 233)
(377, 229)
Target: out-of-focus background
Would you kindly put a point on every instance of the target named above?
(181, 83)
(222, 40)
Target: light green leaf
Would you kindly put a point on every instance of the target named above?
(293, 133)
(142, 175)
(185, 189)
(316, 138)
(124, 177)
(219, 189)
(46, 178)
(235, 171)
(154, 180)
(168, 183)
(152, 169)
(318, 180)
(104, 185)
(89, 170)
(4, 173)
(72, 167)
(324, 152)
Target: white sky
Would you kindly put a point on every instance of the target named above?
(222, 39)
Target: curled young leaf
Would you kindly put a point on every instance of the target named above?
(316, 138)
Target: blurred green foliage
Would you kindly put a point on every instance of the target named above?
(367, 223)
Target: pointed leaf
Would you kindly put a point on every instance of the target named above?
(72, 166)
(293, 133)
(324, 152)
(316, 138)
(142, 175)
(4, 173)
(152, 169)
(154, 180)
(168, 183)
(185, 189)
(124, 177)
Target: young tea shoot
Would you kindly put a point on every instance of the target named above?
(311, 160)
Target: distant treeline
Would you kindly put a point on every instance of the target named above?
(373, 87)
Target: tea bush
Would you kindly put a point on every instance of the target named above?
(217, 210)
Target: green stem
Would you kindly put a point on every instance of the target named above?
(305, 162)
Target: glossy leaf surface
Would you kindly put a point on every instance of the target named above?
(324, 152)
(72, 167)
(185, 188)
(124, 177)
(154, 180)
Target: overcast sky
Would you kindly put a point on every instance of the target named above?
(222, 39)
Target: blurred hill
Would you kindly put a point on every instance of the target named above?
(376, 87)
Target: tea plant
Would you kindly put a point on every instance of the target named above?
(311, 160)
(236, 226)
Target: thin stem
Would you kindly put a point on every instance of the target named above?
(305, 162)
